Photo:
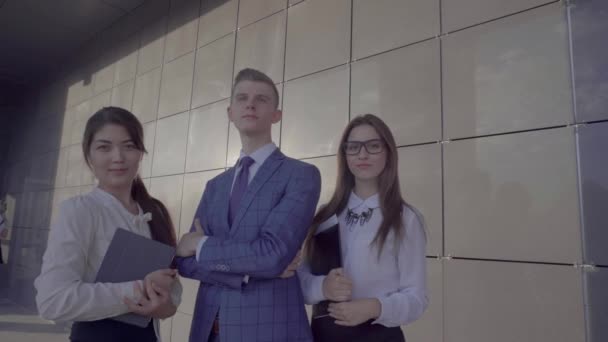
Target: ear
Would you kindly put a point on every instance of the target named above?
(277, 116)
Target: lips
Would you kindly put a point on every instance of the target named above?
(118, 171)
(249, 116)
(363, 166)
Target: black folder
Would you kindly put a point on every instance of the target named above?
(326, 254)
(131, 257)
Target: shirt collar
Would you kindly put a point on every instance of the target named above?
(109, 200)
(260, 155)
(357, 204)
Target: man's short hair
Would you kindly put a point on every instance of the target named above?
(254, 75)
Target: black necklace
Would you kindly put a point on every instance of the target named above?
(353, 218)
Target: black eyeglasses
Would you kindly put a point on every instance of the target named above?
(373, 146)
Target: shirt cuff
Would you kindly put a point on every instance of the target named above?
(383, 311)
(316, 289)
(128, 290)
(200, 246)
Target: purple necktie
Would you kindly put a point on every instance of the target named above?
(239, 188)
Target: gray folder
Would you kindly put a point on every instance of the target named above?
(131, 257)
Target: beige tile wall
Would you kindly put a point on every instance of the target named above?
(460, 83)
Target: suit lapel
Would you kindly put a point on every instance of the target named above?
(261, 177)
(225, 186)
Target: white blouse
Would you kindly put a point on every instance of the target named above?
(78, 241)
(397, 279)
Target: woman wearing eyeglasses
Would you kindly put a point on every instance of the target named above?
(380, 282)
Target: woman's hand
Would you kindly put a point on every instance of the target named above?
(337, 287)
(162, 278)
(155, 302)
(355, 312)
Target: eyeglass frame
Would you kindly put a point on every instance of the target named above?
(363, 144)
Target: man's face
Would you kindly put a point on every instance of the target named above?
(253, 109)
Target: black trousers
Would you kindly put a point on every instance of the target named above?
(325, 330)
(106, 330)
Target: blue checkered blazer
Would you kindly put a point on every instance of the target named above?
(268, 230)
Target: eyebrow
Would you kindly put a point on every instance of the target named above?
(103, 141)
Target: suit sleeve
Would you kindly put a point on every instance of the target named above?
(280, 237)
(188, 267)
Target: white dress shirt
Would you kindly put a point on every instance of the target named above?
(397, 279)
(2, 223)
(78, 241)
(259, 156)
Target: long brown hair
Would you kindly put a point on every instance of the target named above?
(161, 226)
(391, 202)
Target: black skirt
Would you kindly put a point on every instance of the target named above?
(110, 330)
(325, 330)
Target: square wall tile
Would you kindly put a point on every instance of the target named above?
(66, 127)
(190, 287)
(126, 64)
(508, 75)
(318, 36)
(403, 88)
(430, 326)
(152, 44)
(596, 302)
(165, 329)
(207, 137)
(387, 24)
(75, 166)
(194, 185)
(217, 19)
(183, 27)
(149, 138)
(328, 166)
(98, 102)
(501, 301)
(457, 14)
(62, 167)
(262, 46)
(181, 327)
(213, 72)
(589, 54)
(176, 86)
(104, 77)
(122, 95)
(322, 97)
(504, 195)
(145, 99)
(168, 190)
(420, 178)
(252, 10)
(592, 142)
(170, 145)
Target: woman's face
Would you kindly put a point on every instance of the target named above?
(113, 157)
(365, 153)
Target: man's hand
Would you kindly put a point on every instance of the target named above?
(290, 271)
(356, 312)
(337, 287)
(189, 242)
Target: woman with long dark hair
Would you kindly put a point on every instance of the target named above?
(381, 245)
(79, 238)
